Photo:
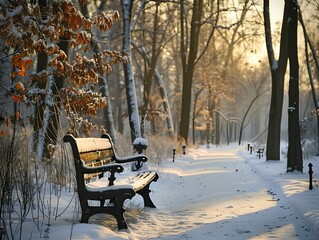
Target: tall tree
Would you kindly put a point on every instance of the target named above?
(150, 39)
(163, 93)
(188, 64)
(294, 161)
(49, 126)
(308, 43)
(128, 72)
(278, 70)
(42, 61)
(103, 81)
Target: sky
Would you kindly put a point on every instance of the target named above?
(210, 192)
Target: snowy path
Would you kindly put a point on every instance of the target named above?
(216, 194)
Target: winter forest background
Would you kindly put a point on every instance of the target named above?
(171, 71)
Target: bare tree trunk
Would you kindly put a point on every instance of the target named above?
(312, 84)
(260, 90)
(196, 96)
(278, 70)
(217, 123)
(42, 61)
(151, 65)
(48, 133)
(108, 116)
(163, 93)
(294, 161)
(211, 117)
(188, 70)
(119, 89)
(166, 105)
(40, 104)
(132, 106)
(47, 118)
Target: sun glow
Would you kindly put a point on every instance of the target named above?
(254, 58)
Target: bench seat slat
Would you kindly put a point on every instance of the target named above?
(123, 181)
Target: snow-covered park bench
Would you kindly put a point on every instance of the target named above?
(260, 151)
(101, 184)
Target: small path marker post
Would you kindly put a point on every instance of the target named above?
(184, 148)
(310, 176)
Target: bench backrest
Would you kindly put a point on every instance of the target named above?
(91, 152)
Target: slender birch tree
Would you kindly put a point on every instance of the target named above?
(128, 72)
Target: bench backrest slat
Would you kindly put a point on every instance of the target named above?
(91, 152)
(106, 155)
(92, 144)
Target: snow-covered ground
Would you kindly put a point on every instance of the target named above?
(209, 193)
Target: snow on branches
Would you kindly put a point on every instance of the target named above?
(30, 29)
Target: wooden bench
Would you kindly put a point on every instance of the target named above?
(100, 186)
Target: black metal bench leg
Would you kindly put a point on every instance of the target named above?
(145, 193)
(85, 217)
(119, 212)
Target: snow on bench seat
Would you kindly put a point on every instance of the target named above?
(124, 181)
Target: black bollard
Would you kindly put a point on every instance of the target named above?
(208, 142)
(248, 146)
(174, 152)
(139, 146)
(310, 176)
(184, 148)
(251, 149)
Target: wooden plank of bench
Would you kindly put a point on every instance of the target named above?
(136, 182)
(92, 144)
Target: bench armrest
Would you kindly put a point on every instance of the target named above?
(112, 168)
(104, 168)
(134, 158)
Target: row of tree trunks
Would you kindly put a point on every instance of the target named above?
(288, 50)
(308, 44)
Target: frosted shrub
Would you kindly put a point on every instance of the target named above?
(30, 189)
(159, 148)
(123, 145)
(16, 183)
(309, 138)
